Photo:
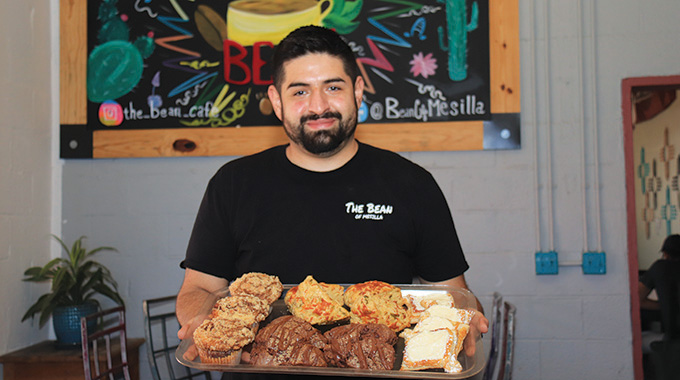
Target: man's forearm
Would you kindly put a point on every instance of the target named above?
(197, 294)
(191, 303)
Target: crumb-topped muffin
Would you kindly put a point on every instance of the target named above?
(220, 340)
(260, 285)
(245, 307)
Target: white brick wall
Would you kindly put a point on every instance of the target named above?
(569, 325)
(26, 106)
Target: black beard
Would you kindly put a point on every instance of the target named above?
(325, 141)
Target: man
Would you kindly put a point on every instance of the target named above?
(325, 204)
(663, 277)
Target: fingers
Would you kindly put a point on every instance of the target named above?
(478, 325)
(182, 333)
(191, 353)
(245, 357)
(469, 345)
(481, 323)
(187, 330)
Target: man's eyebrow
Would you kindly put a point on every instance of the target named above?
(327, 81)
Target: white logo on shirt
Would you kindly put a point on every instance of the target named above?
(368, 210)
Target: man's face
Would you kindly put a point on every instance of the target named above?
(317, 103)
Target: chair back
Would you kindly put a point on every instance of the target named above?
(160, 330)
(501, 353)
(105, 350)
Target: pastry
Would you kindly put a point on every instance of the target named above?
(245, 307)
(378, 302)
(428, 350)
(220, 340)
(418, 303)
(261, 285)
(310, 301)
(361, 346)
(288, 340)
(437, 339)
(451, 313)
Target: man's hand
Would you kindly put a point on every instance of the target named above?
(187, 332)
(194, 303)
(478, 325)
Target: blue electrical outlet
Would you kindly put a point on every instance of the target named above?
(594, 263)
(546, 262)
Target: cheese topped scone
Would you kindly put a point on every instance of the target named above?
(378, 302)
(310, 301)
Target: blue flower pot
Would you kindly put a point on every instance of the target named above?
(66, 321)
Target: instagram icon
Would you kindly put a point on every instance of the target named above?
(110, 113)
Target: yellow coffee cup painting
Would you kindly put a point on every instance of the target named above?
(251, 21)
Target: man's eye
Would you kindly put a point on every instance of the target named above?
(299, 93)
(334, 88)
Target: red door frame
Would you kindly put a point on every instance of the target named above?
(628, 85)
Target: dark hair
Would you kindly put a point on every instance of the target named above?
(312, 39)
(671, 246)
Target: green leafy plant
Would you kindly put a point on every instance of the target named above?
(75, 280)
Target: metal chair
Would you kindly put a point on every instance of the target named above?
(109, 340)
(160, 330)
(501, 353)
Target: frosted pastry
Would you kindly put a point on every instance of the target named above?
(419, 303)
(362, 346)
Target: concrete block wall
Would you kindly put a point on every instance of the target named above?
(26, 163)
(507, 204)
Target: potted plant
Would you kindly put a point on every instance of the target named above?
(76, 280)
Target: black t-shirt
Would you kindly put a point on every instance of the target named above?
(379, 217)
(664, 276)
(661, 272)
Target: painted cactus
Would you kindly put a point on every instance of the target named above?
(115, 66)
(458, 29)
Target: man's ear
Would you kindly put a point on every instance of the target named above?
(359, 90)
(275, 99)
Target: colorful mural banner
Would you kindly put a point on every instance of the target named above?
(205, 63)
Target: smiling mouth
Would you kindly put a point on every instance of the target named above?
(320, 122)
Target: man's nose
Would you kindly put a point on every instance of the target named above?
(318, 102)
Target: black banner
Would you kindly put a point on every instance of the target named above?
(205, 63)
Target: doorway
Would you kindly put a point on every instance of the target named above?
(652, 158)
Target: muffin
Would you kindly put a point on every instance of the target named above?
(260, 285)
(220, 340)
(245, 307)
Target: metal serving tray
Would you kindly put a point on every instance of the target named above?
(462, 298)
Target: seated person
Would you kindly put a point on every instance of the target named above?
(663, 277)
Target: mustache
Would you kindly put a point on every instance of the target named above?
(325, 115)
